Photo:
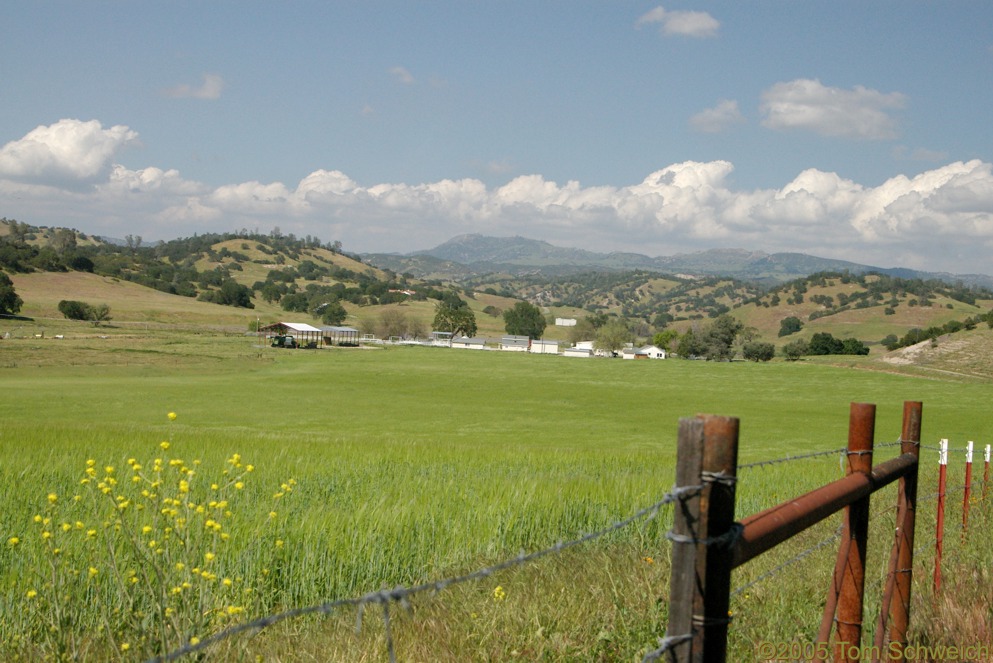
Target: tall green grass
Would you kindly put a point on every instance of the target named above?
(412, 464)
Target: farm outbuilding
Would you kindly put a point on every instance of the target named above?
(466, 343)
(577, 352)
(543, 347)
(306, 336)
(652, 352)
(340, 335)
(515, 343)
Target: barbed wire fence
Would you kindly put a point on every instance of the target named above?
(401, 595)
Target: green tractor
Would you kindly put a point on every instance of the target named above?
(284, 342)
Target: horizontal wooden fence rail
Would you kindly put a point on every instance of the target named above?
(708, 544)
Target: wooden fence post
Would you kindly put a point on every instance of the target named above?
(683, 588)
(896, 597)
(861, 433)
(700, 584)
(714, 557)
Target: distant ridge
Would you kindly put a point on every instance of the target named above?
(474, 254)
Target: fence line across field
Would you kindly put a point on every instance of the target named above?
(707, 543)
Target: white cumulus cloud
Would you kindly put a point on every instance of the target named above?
(940, 219)
(719, 118)
(65, 152)
(680, 22)
(807, 104)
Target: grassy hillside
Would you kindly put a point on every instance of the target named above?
(130, 303)
(273, 277)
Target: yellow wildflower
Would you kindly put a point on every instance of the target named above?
(53, 498)
(172, 416)
(13, 541)
(31, 594)
(499, 594)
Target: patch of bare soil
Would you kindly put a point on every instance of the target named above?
(963, 354)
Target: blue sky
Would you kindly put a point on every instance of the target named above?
(854, 130)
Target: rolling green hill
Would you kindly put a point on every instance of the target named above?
(230, 281)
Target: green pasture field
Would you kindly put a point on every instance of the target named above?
(407, 465)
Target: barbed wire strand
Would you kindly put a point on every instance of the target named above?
(815, 454)
(793, 560)
(787, 459)
(400, 594)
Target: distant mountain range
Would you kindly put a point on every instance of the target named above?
(472, 255)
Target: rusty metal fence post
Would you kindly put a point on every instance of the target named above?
(939, 539)
(968, 489)
(899, 580)
(861, 432)
(986, 472)
(702, 535)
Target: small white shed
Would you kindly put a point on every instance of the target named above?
(467, 343)
(543, 347)
(515, 343)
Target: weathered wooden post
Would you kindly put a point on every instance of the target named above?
(703, 527)
(719, 475)
(685, 524)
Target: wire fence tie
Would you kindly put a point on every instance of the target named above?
(702, 620)
(665, 644)
(718, 477)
